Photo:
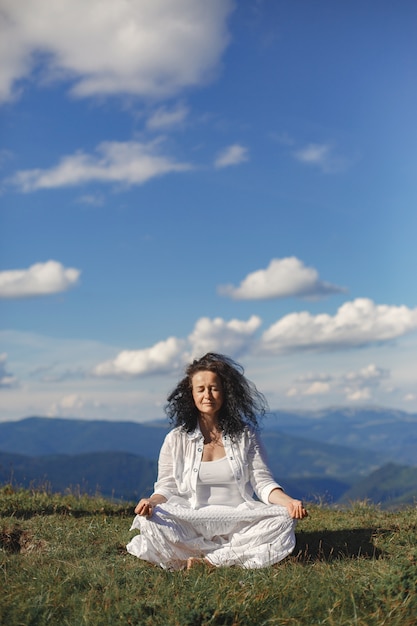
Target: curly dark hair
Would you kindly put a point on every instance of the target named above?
(242, 405)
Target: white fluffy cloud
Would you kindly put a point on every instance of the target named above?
(357, 323)
(311, 384)
(161, 358)
(371, 374)
(217, 335)
(164, 118)
(359, 386)
(317, 388)
(39, 279)
(144, 47)
(282, 278)
(321, 156)
(127, 163)
(232, 155)
(358, 395)
(75, 405)
(354, 386)
(209, 335)
(7, 380)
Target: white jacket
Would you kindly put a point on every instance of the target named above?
(180, 458)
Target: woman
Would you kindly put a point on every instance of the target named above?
(210, 465)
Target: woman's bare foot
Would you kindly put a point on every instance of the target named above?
(193, 561)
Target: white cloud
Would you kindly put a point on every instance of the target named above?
(39, 279)
(360, 385)
(321, 156)
(164, 118)
(371, 374)
(317, 388)
(7, 380)
(292, 392)
(144, 47)
(232, 155)
(282, 278)
(311, 384)
(357, 323)
(217, 335)
(314, 153)
(73, 405)
(353, 385)
(127, 163)
(358, 395)
(160, 358)
(209, 335)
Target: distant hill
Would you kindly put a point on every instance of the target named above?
(124, 476)
(40, 436)
(390, 432)
(111, 474)
(288, 455)
(300, 457)
(119, 458)
(317, 489)
(391, 485)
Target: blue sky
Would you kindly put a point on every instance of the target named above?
(183, 176)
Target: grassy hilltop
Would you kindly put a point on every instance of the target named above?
(63, 562)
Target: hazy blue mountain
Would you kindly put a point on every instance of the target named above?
(318, 489)
(40, 436)
(112, 474)
(392, 432)
(300, 457)
(119, 458)
(124, 476)
(288, 455)
(390, 485)
(388, 431)
(120, 475)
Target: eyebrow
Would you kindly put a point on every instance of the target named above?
(213, 386)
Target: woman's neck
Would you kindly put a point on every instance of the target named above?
(209, 427)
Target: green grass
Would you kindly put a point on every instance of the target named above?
(63, 562)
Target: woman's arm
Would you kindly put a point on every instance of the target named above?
(260, 476)
(294, 507)
(165, 485)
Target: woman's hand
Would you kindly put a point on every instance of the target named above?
(146, 505)
(296, 509)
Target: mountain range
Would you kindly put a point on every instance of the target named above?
(388, 431)
(117, 475)
(330, 456)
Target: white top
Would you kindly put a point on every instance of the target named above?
(181, 457)
(216, 484)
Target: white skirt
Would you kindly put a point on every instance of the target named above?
(251, 535)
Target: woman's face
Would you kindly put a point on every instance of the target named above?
(207, 393)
